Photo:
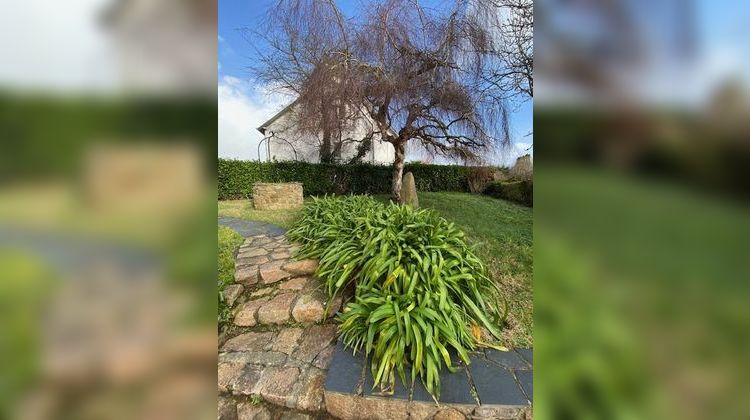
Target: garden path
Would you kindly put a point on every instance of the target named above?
(275, 359)
(248, 228)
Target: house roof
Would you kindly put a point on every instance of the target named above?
(278, 115)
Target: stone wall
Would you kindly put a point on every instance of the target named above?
(277, 196)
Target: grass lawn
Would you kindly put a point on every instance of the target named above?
(636, 279)
(500, 230)
(243, 209)
(229, 242)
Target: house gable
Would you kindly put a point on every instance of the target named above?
(284, 142)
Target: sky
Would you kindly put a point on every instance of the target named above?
(244, 105)
(56, 46)
(668, 69)
(48, 45)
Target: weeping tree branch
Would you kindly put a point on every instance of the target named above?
(440, 78)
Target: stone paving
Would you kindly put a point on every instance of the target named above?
(273, 359)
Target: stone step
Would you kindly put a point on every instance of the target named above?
(285, 367)
(262, 270)
(295, 301)
(273, 289)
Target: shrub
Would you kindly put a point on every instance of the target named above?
(523, 169)
(229, 242)
(419, 290)
(521, 192)
(478, 178)
(236, 177)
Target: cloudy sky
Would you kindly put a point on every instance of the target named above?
(50, 45)
(55, 46)
(243, 105)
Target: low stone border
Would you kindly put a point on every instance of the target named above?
(495, 385)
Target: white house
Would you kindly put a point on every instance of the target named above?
(283, 141)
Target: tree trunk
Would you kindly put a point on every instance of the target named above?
(325, 148)
(398, 172)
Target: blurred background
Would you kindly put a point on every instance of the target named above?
(107, 209)
(641, 227)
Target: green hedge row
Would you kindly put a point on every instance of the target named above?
(236, 177)
(521, 192)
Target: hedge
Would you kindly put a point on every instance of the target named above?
(236, 177)
(521, 192)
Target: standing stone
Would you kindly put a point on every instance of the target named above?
(409, 191)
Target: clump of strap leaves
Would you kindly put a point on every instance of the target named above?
(419, 290)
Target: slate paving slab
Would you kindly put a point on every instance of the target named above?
(526, 379)
(507, 359)
(527, 354)
(399, 390)
(345, 372)
(503, 392)
(455, 388)
(495, 385)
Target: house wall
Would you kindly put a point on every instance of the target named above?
(286, 140)
(383, 152)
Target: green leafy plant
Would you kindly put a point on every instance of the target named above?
(420, 291)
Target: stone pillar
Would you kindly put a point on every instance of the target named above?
(409, 191)
(277, 196)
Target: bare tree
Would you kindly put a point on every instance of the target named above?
(304, 46)
(509, 70)
(420, 74)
